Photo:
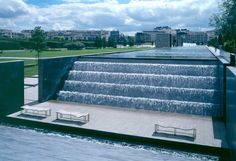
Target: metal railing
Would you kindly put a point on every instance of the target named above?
(175, 131)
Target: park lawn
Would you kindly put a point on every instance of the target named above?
(33, 54)
(30, 71)
(30, 66)
(3, 60)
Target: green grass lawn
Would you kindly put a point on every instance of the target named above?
(33, 54)
(33, 70)
(28, 71)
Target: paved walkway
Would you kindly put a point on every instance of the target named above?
(21, 58)
(138, 122)
(31, 90)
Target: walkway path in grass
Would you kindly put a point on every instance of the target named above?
(32, 54)
(21, 58)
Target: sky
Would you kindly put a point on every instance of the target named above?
(127, 16)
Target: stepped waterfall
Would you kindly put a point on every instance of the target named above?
(181, 88)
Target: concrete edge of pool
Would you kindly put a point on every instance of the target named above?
(222, 152)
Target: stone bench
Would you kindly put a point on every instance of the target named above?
(175, 131)
(72, 116)
(36, 111)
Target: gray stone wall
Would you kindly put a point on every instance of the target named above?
(11, 87)
(231, 108)
(52, 73)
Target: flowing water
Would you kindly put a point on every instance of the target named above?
(182, 88)
(18, 144)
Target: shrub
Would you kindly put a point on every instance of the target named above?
(74, 46)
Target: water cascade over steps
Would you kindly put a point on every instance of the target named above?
(181, 88)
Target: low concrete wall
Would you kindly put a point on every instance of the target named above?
(52, 73)
(11, 87)
(231, 109)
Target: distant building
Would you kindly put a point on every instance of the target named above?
(152, 35)
(181, 36)
(85, 35)
(162, 28)
(159, 31)
(27, 33)
(199, 38)
(211, 34)
(177, 38)
(5, 33)
(164, 40)
(114, 35)
(142, 38)
(16, 35)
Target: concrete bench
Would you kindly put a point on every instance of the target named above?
(72, 116)
(36, 111)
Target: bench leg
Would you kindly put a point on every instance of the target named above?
(88, 118)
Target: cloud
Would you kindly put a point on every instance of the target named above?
(90, 1)
(136, 15)
(13, 8)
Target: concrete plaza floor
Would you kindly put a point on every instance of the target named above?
(31, 90)
(135, 122)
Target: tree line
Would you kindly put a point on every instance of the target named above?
(38, 35)
(225, 24)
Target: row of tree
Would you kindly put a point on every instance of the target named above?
(225, 24)
(39, 42)
(103, 43)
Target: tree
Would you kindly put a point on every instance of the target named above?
(130, 40)
(225, 24)
(104, 42)
(38, 38)
(220, 39)
(74, 46)
(111, 42)
(124, 43)
(98, 42)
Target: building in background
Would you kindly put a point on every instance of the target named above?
(82, 35)
(17, 35)
(177, 37)
(157, 30)
(181, 36)
(114, 35)
(200, 38)
(211, 34)
(5, 33)
(164, 40)
(142, 38)
(27, 33)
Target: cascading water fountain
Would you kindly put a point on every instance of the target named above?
(182, 88)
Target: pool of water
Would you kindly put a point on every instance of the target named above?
(193, 52)
(20, 144)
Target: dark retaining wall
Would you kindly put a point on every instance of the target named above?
(52, 73)
(231, 109)
(222, 79)
(11, 87)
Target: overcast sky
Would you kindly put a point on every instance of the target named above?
(125, 15)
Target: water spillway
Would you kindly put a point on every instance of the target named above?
(172, 87)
